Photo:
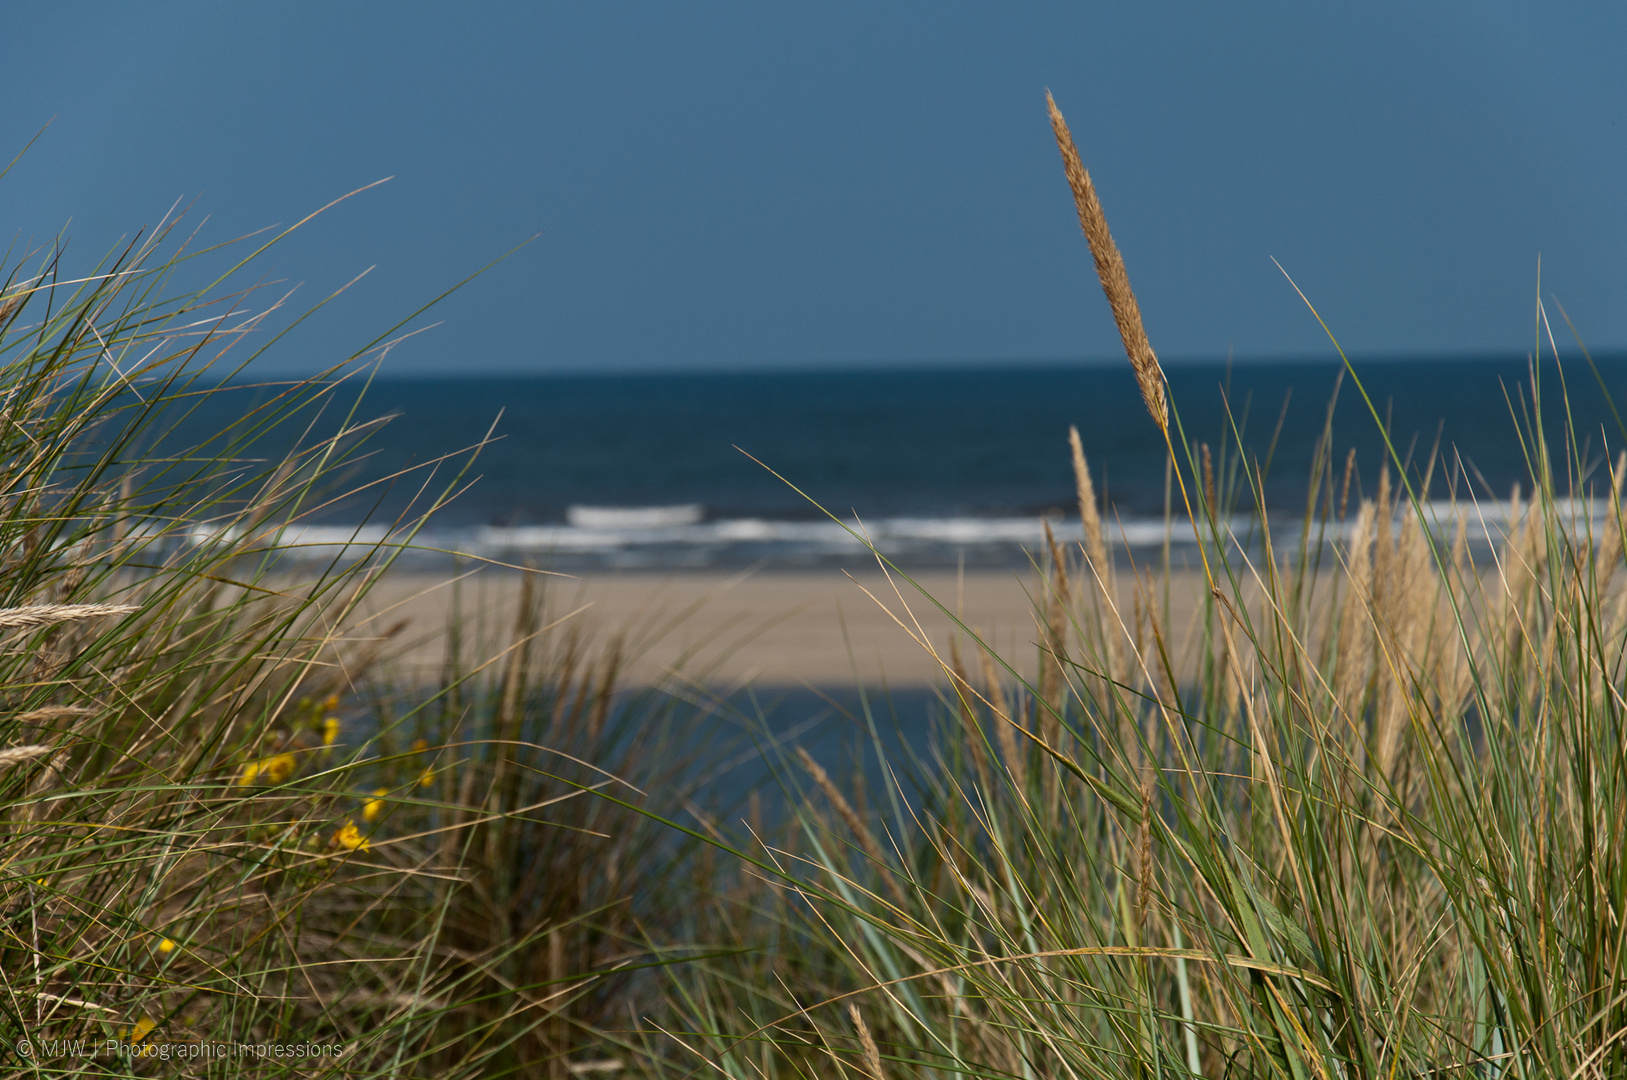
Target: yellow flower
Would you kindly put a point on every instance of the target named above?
(330, 730)
(374, 808)
(165, 945)
(141, 1030)
(351, 838)
(426, 778)
(274, 770)
(419, 746)
(331, 703)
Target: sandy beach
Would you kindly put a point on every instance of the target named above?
(810, 627)
(820, 628)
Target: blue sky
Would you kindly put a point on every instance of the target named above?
(756, 186)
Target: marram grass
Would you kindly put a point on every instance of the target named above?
(1359, 815)
(223, 821)
(1363, 815)
(1291, 840)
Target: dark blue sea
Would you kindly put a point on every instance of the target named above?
(943, 467)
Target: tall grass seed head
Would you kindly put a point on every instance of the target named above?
(1110, 271)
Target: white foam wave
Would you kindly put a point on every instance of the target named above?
(889, 535)
(677, 535)
(635, 517)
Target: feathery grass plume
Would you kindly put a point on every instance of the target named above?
(1354, 657)
(1406, 618)
(1110, 269)
(1209, 496)
(1004, 736)
(51, 614)
(50, 774)
(51, 712)
(1054, 686)
(15, 755)
(1451, 665)
(1062, 585)
(855, 824)
(971, 727)
(1609, 545)
(1616, 621)
(1101, 567)
(1344, 485)
(1053, 675)
(1512, 575)
(1385, 580)
(1090, 515)
(872, 1054)
(1524, 554)
(1539, 539)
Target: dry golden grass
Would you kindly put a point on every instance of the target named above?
(16, 755)
(20, 618)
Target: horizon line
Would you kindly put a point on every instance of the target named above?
(947, 366)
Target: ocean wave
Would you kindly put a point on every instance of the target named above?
(679, 537)
(634, 540)
(634, 517)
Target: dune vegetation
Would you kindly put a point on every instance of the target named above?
(1362, 816)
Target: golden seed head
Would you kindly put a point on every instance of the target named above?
(1110, 270)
